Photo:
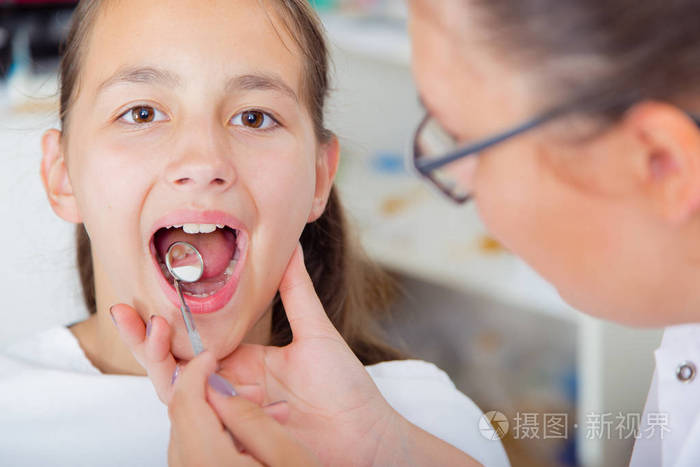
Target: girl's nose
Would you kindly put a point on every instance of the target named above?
(200, 172)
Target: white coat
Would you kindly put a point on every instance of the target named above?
(669, 435)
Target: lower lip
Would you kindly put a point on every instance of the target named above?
(212, 303)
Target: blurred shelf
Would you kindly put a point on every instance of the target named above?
(406, 227)
(380, 39)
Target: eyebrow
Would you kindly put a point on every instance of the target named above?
(152, 75)
(147, 75)
(255, 82)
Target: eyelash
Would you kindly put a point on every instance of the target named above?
(266, 116)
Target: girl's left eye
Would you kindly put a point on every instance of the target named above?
(142, 114)
(254, 119)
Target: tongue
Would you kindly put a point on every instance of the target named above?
(216, 248)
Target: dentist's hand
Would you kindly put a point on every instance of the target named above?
(198, 414)
(334, 406)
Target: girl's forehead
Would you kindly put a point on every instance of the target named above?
(206, 42)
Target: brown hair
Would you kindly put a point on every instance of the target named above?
(351, 288)
(630, 50)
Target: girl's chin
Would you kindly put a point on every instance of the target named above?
(182, 348)
(221, 333)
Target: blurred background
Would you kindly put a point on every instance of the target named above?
(569, 386)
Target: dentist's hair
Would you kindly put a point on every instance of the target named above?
(630, 50)
(352, 289)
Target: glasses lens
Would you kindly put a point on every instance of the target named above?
(433, 143)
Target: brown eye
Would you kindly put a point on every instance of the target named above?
(143, 114)
(253, 118)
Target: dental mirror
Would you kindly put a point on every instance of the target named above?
(185, 264)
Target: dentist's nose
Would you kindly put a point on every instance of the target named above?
(198, 171)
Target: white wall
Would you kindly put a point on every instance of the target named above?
(39, 283)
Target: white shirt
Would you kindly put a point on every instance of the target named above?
(669, 435)
(57, 409)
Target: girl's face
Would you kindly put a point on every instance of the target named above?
(193, 112)
(596, 217)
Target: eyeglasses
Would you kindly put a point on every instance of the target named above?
(439, 158)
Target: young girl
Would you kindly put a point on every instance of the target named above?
(196, 121)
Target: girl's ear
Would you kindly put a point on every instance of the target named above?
(670, 140)
(326, 168)
(54, 176)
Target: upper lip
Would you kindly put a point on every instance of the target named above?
(189, 216)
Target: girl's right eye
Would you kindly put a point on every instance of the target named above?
(142, 114)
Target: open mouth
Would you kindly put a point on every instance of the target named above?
(223, 252)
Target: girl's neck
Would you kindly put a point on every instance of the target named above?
(100, 341)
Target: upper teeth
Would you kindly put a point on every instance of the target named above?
(199, 228)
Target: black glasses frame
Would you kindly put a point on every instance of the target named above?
(426, 168)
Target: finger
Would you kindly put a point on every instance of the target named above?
(253, 392)
(181, 454)
(129, 324)
(188, 408)
(278, 410)
(194, 375)
(158, 360)
(152, 351)
(178, 457)
(304, 310)
(157, 341)
(248, 422)
(197, 435)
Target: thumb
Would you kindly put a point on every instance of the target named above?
(304, 310)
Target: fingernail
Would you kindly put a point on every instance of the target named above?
(111, 315)
(219, 384)
(148, 326)
(275, 403)
(176, 373)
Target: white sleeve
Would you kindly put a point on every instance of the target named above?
(425, 396)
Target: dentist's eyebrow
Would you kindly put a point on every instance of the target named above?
(256, 82)
(145, 75)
